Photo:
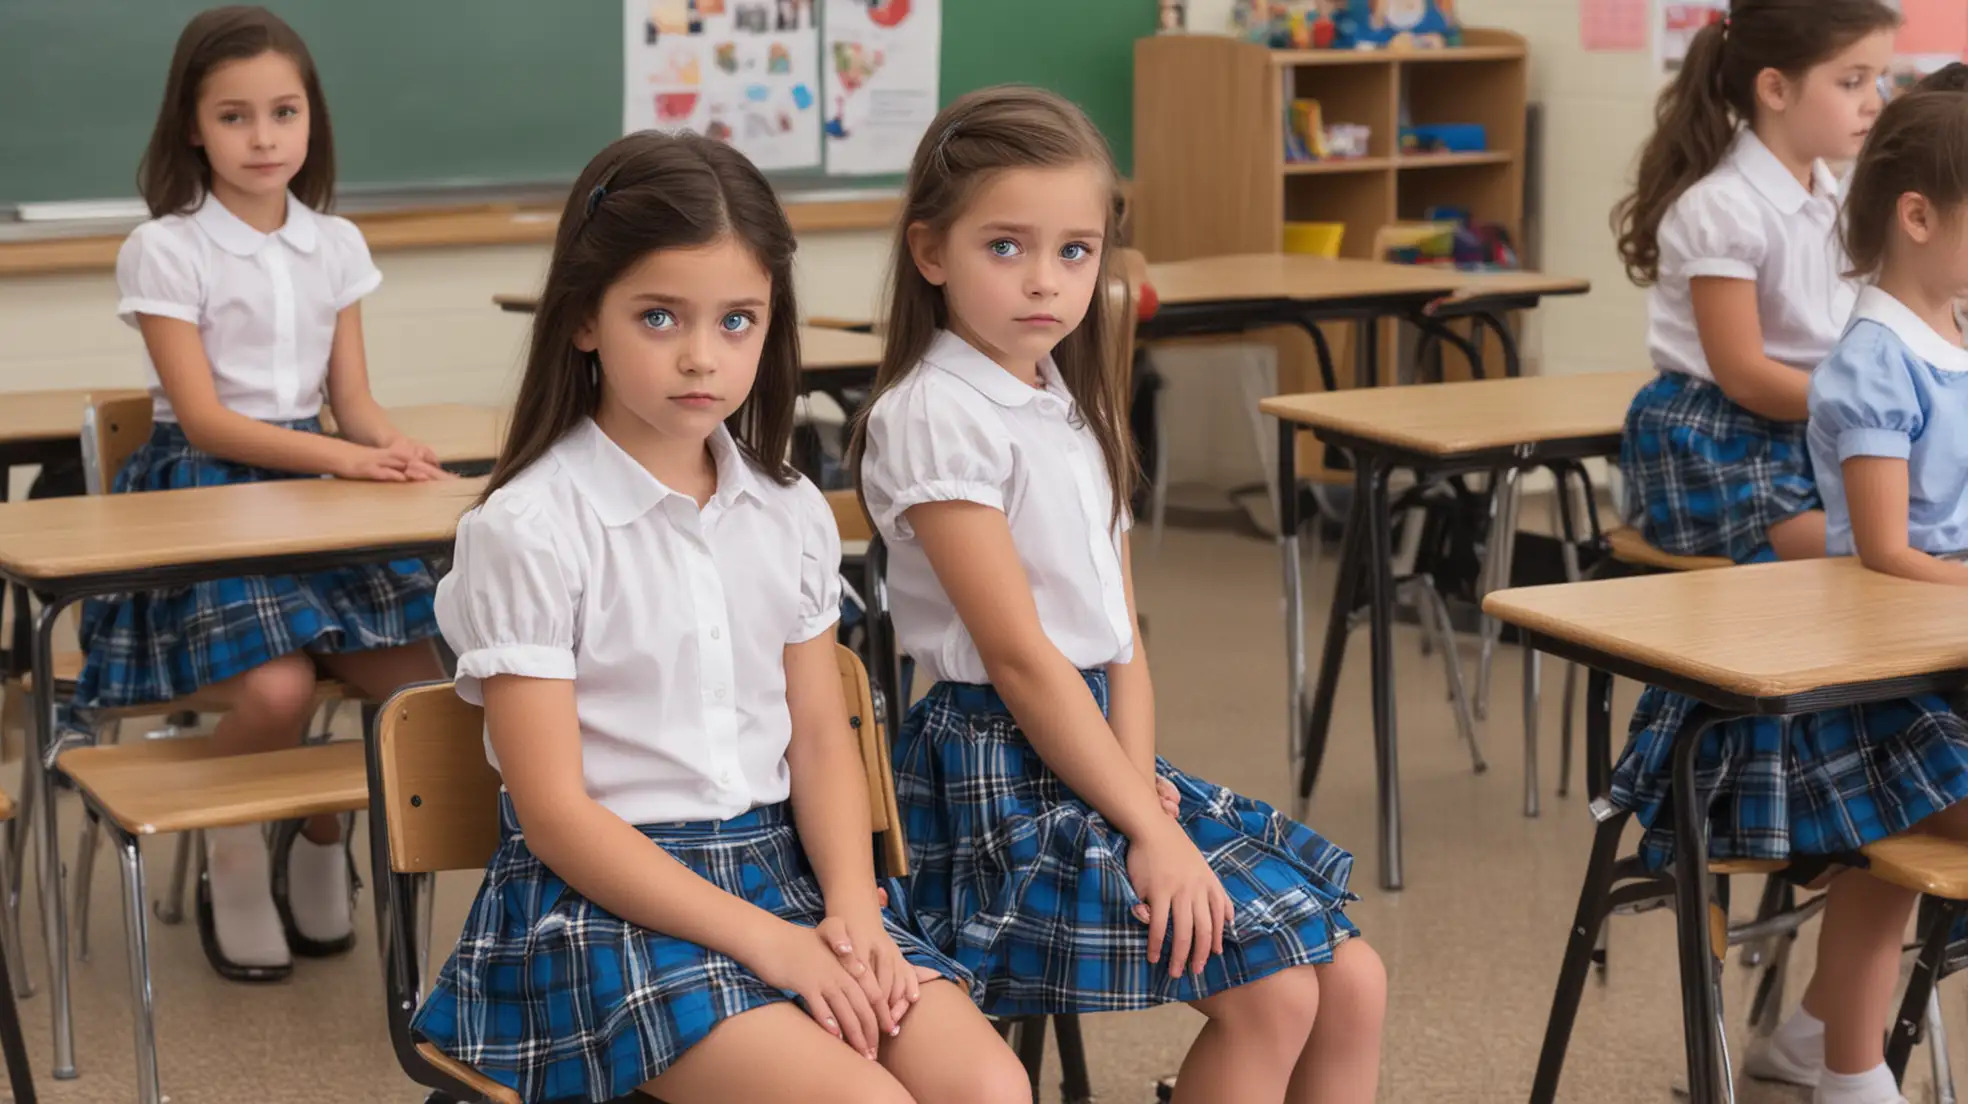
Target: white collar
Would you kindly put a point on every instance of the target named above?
(1921, 339)
(622, 490)
(959, 358)
(234, 236)
(1768, 175)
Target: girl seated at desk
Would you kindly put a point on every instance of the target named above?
(247, 294)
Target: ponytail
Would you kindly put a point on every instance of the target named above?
(1696, 117)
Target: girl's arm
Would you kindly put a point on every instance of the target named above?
(1130, 693)
(970, 548)
(537, 736)
(1876, 496)
(179, 354)
(358, 416)
(1731, 329)
(830, 784)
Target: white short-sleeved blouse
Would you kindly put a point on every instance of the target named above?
(672, 622)
(1750, 219)
(961, 428)
(264, 304)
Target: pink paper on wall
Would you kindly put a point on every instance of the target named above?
(1613, 24)
(1933, 27)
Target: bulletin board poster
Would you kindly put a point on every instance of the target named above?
(745, 72)
(1676, 22)
(882, 60)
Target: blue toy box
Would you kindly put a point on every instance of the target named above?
(1396, 24)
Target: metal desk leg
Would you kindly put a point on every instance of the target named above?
(1531, 696)
(1504, 491)
(1339, 624)
(1288, 527)
(54, 907)
(1700, 1003)
(1371, 489)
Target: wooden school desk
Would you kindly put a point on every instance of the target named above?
(1760, 640)
(68, 549)
(1436, 430)
(830, 349)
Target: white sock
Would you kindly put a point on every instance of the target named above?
(243, 916)
(318, 889)
(1796, 1050)
(1874, 1086)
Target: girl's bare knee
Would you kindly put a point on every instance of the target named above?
(1354, 984)
(1949, 823)
(1279, 1010)
(280, 690)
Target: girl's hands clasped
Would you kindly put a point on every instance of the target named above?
(1181, 895)
(807, 962)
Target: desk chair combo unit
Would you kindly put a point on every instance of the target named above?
(1715, 635)
(437, 810)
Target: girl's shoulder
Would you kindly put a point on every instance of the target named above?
(175, 236)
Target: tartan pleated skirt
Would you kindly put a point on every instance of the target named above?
(560, 1000)
(1705, 477)
(1822, 783)
(1026, 886)
(158, 645)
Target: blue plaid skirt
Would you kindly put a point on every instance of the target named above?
(159, 645)
(1811, 784)
(1705, 477)
(1026, 886)
(557, 999)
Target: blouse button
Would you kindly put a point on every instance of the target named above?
(716, 632)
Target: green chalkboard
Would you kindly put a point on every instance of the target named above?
(443, 93)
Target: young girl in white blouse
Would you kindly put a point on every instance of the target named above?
(644, 603)
(247, 294)
(1052, 853)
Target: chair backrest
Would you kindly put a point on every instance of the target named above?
(112, 429)
(440, 798)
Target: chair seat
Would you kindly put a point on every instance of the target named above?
(183, 785)
(1629, 547)
(1933, 865)
(464, 1074)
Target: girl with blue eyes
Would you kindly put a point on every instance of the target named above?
(644, 602)
(1053, 855)
(248, 295)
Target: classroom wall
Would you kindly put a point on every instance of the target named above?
(432, 334)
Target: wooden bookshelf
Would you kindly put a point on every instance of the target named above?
(1211, 176)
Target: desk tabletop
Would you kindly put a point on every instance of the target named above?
(1445, 419)
(39, 416)
(56, 538)
(460, 432)
(1764, 630)
(1264, 276)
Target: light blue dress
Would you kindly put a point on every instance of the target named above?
(1894, 388)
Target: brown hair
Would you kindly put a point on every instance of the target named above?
(1950, 78)
(1919, 144)
(174, 174)
(645, 193)
(1696, 117)
(979, 135)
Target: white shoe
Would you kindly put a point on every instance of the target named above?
(1766, 1060)
(238, 924)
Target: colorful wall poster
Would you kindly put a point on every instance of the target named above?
(1676, 22)
(1613, 25)
(742, 71)
(882, 61)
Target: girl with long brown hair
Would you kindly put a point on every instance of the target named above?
(248, 295)
(645, 603)
(1053, 854)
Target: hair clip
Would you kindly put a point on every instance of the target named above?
(1728, 21)
(595, 197)
(943, 142)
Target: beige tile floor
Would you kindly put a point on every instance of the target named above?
(1472, 945)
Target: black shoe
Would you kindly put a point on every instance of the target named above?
(208, 937)
(284, 836)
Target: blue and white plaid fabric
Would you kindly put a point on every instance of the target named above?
(159, 645)
(1026, 886)
(557, 999)
(1812, 784)
(1705, 477)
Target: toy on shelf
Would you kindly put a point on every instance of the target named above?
(1447, 237)
(1288, 24)
(1309, 138)
(1444, 138)
(1397, 25)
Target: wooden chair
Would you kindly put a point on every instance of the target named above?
(112, 430)
(20, 1075)
(437, 810)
